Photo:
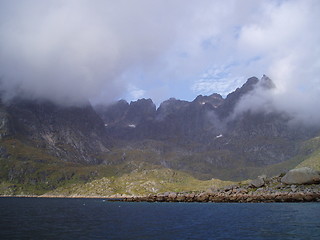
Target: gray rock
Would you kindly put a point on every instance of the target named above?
(293, 188)
(166, 194)
(209, 191)
(3, 152)
(303, 175)
(259, 182)
(172, 195)
(75, 134)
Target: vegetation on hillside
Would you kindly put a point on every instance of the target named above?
(26, 169)
(141, 182)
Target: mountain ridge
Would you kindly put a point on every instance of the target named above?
(206, 134)
(44, 146)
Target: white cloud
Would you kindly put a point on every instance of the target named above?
(67, 51)
(136, 93)
(288, 41)
(217, 80)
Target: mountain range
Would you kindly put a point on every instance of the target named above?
(46, 146)
(205, 137)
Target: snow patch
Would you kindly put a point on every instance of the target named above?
(106, 124)
(219, 136)
(132, 125)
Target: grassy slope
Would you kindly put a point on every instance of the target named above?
(313, 159)
(309, 156)
(29, 170)
(142, 182)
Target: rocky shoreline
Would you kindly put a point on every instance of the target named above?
(298, 185)
(239, 195)
(228, 195)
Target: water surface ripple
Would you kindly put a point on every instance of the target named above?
(36, 218)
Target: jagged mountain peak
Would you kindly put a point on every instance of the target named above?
(141, 101)
(144, 109)
(266, 82)
(140, 111)
(245, 88)
(171, 105)
(215, 100)
(229, 104)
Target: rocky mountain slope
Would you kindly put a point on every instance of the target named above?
(74, 134)
(205, 137)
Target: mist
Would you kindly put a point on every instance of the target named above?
(298, 106)
(71, 51)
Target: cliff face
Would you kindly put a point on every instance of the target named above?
(206, 132)
(74, 134)
(5, 126)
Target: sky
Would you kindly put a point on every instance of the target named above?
(69, 51)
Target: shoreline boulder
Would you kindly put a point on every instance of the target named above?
(258, 182)
(303, 175)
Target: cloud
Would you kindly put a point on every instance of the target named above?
(136, 93)
(217, 80)
(286, 38)
(68, 51)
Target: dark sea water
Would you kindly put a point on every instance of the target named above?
(33, 218)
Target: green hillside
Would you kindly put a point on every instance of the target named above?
(26, 169)
(29, 170)
(313, 159)
(141, 183)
